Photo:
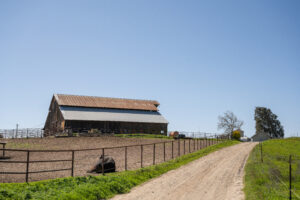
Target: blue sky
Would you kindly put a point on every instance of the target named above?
(197, 58)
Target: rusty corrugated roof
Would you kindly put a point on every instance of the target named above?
(105, 102)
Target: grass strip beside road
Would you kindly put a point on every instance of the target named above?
(98, 187)
(270, 179)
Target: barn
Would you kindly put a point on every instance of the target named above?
(74, 113)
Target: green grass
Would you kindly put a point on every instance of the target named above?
(142, 135)
(98, 187)
(270, 179)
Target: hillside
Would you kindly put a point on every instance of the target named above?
(270, 179)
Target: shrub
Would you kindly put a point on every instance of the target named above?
(236, 134)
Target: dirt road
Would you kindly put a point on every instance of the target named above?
(218, 175)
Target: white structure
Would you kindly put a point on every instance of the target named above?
(261, 136)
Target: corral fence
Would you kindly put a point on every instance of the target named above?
(22, 133)
(198, 134)
(20, 165)
(39, 133)
(288, 182)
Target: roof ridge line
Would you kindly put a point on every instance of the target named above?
(56, 94)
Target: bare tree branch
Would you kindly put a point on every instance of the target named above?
(229, 122)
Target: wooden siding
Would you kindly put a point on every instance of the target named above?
(54, 122)
(117, 127)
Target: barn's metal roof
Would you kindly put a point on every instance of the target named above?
(105, 102)
(117, 115)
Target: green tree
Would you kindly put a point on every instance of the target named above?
(267, 122)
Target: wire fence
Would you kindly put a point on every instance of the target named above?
(39, 133)
(22, 133)
(18, 165)
(284, 172)
(199, 134)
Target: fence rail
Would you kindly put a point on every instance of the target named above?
(139, 153)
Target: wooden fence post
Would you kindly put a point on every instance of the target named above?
(102, 161)
(125, 158)
(164, 151)
(27, 166)
(189, 145)
(194, 144)
(200, 143)
(290, 176)
(73, 157)
(142, 156)
(261, 153)
(154, 154)
(178, 147)
(172, 149)
(183, 147)
(3, 150)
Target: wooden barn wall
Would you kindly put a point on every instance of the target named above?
(55, 121)
(117, 127)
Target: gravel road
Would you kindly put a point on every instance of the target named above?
(218, 175)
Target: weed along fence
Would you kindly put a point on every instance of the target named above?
(20, 165)
(285, 169)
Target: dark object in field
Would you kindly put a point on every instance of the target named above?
(2, 156)
(179, 136)
(108, 163)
